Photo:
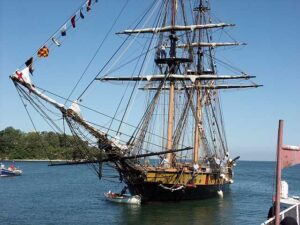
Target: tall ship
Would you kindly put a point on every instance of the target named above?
(166, 138)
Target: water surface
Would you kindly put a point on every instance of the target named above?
(74, 195)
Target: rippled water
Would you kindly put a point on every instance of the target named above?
(74, 195)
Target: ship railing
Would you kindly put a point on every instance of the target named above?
(293, 211)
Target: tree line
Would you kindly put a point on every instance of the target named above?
(15, 144)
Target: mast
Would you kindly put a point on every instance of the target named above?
(198, 97)
(173, 39)
(197, 124)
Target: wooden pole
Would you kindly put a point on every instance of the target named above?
(278, 173)
(197, 125)
(198, 101)
(170, 156)
(173, 12)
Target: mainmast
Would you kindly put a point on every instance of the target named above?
(172, 70)
(197, 86)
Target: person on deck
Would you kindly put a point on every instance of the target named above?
(165, 163)
(195, 169)
(162, 51)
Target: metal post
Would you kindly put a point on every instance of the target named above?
(278, 173)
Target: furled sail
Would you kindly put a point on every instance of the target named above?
(160, 77)
(175, 28)
(210, 44)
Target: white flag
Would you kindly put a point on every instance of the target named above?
(55, 41)
(23, 75)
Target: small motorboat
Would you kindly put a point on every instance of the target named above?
(10, 171)
(123, 198)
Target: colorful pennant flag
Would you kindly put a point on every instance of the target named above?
(55, 41)
(43, 52)
(88, 5)
(81, 14)
(63, 30)
(23, 75)
(29, 64)
(73, 21)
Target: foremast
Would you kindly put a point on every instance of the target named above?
(198, 121)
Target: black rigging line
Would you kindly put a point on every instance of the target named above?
(211, 61)
(56, 31)
(25, 106)
(98, 49)
(230, 67)
(83, 148)
(115, 53)
(42, 113)
(210, 128)
(29, 99)
(49, 120)
(93, 110)
(127, 135)
(217, 125)
(144, 60)
(119, 105)
(130, 61)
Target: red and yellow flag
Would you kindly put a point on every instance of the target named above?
(43, 52)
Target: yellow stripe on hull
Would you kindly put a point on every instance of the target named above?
(184, 178)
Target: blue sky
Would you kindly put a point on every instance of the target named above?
(270, 28)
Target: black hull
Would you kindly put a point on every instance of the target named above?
(154, 192)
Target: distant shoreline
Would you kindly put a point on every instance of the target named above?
(35, 160)
(66, 160)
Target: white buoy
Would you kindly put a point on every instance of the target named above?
(220, 193)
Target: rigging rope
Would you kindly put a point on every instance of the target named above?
(58, 29)
(115, 53)
(98, 112)
(25, 106)
(139, 73)
(98, 49)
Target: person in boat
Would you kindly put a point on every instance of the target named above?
(2, 166)
(11, 167)
(111, 194)
(123, 191)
